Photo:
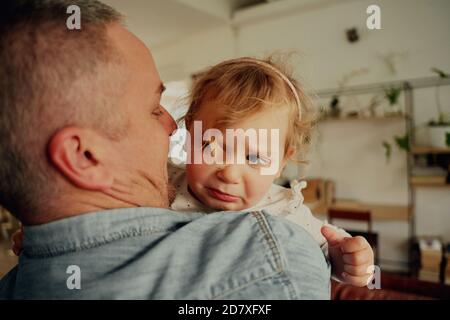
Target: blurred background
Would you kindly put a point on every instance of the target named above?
(379, 162)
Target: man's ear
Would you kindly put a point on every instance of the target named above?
(76, 152)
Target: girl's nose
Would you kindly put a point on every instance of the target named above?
(229, 174)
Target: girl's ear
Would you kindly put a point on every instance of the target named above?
(289, 154)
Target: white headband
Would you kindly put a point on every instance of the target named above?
(268, 65)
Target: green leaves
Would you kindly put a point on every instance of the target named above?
(392, 94)
(402, 142)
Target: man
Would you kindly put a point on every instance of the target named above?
(84, 144)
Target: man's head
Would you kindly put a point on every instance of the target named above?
(81, 127)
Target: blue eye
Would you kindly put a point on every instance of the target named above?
(254, 159)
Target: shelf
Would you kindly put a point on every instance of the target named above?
(406, 84)
(330, 119)
(406, 213)
(428, 180)
(378, 211)
(430, 184)
(426, 150)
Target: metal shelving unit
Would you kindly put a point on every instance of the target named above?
(408, 86)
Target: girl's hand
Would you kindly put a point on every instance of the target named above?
(351, 257)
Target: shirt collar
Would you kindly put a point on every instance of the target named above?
(97, 228)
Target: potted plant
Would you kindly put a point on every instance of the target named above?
(439, 130)
(334, 106)
(392, 95)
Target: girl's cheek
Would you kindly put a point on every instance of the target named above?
(198, 171)
(259, 186)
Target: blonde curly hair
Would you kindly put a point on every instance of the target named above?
(246, 86)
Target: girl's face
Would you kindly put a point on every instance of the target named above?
(234, 187)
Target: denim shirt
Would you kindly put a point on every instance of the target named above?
(152, 253)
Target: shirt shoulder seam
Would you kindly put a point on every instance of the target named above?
(280, 267)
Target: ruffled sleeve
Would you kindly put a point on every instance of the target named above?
(296, 197)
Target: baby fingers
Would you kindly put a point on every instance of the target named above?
(357, 271)
(363, 257)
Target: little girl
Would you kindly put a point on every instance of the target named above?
(248, 93)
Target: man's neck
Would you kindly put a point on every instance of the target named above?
(70, 207)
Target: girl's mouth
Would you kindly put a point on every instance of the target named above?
(219, 195)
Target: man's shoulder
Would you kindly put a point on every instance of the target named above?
(220, 255)
(230, 255)
(274, 232)
(276, 250)
(285, 231)
(238, 250)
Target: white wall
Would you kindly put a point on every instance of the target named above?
(349, 152)
(180, 60)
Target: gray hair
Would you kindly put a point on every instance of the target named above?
(50, 77)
